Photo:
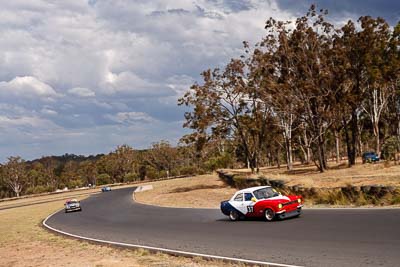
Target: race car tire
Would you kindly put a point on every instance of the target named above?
(269, 215)
(234, 215)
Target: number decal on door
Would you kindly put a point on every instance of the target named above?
(250, 209)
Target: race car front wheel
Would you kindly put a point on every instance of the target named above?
(233, 215)
(269, 215)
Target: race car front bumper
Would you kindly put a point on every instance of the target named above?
(73, 208)
(283, 214)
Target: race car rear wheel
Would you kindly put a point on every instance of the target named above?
(234, 215)
(269, 215)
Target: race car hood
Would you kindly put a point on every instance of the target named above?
(283, 199)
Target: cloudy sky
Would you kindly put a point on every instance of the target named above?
(83, 76)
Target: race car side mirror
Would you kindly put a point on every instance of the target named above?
(253, 199)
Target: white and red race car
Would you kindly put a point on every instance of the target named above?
(72, 205)
(261, 201)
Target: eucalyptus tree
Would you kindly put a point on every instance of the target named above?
(371, 71)
(276, 67)
(393, 114)
(50, 165)
(300, 84)
(162, 157)
(380, 73)
(14, 174)
(227, 105)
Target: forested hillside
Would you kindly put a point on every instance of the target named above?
(124, 164)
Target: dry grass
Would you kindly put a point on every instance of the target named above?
(204, 191)
(338, 175)
(23, 242)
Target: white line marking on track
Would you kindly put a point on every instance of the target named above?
(169, 251)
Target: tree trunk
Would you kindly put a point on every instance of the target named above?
(305, 146)
(308, 149)
(321, 154)
(289, 154)
(377, 143)
(257, 165)
(337, 145)
(351, 137)
(287, 135)
(278, 157)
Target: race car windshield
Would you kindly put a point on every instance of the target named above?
(265, 193)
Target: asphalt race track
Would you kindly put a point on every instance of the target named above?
(336, 237)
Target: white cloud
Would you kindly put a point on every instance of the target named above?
(128, 83)
(81, 92)
(48, 111)
(130, 118)
(27, 124)
(28, 86)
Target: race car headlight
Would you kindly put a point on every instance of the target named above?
(299, 200)
(280, 206)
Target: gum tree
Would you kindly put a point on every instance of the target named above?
(14, 174)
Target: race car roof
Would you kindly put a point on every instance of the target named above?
(251, 189)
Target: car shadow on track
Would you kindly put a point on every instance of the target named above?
(262, 220)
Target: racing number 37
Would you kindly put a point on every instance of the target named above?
(250, 208)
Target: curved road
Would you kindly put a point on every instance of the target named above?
(337, 237)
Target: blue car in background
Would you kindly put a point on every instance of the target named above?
(105, 189)
(369, 157)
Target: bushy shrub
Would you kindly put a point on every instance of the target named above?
(174, 172)
(75, 184)
(162, 174)
(188, 170)
(223, 161)
(151, 173)
(103, 178)
(130, 177)
(395, 200)
(390, 148)
(38, 190)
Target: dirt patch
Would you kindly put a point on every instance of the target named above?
(204, 191)
(196, 187)
(23, 242)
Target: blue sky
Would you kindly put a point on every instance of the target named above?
(85, 76)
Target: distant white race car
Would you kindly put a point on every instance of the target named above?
(72, 205)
